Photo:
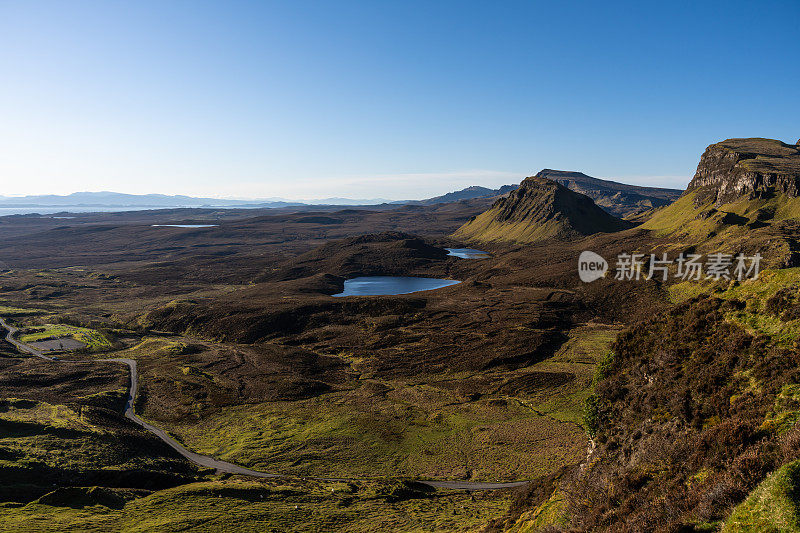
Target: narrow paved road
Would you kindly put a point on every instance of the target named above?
(20, 345)
(202, 460)
(210, 462)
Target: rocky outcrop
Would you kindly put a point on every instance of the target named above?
(540, 209)
(619, 199)
(751, 168)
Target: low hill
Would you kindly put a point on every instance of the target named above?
(468, 193)
(540, 209)
(619, 199)
(379, 254)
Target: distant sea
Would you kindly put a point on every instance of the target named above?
(4, 211)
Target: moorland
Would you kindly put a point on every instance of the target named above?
(624, 405)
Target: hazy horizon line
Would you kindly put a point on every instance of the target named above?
(660, 181)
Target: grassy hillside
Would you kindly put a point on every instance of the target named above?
(486, 227)
(61, 426)
(768, 226)
(692, 222)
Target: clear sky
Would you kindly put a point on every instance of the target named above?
(393, 99)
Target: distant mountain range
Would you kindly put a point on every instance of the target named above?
(108, 199)
(115, 199)
(616, 198)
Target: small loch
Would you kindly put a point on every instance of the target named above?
(184, 225)
(468, 253)
(390, 285)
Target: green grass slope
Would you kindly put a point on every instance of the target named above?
(773, 507)
(768, 226)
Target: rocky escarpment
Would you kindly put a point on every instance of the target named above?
(752, 168)
(619, 199)
(745, 197)
(540, 209)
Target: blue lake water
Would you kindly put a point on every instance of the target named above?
(468, 253)
(184, 225)
(385, 285)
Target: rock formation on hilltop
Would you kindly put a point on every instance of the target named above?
(745, 196)
(540, 209)
(754, 167)
(619, 199)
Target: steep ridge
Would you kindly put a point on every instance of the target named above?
(619, 199)
(540, 209)
(743, 197)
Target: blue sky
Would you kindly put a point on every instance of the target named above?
(382, 99)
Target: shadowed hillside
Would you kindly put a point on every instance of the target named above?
(387, 253)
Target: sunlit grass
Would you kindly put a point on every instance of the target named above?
(93, 339)
(285, 505)
(10, 311)
(772, 507)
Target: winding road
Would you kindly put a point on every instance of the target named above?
(209, 462)
(21, 346)
(202, 460)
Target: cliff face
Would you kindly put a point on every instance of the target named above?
(752, 168)
(540, 209)
(619, 199)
